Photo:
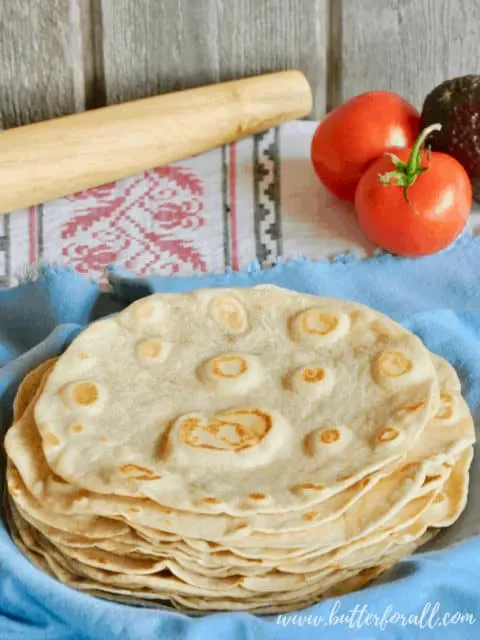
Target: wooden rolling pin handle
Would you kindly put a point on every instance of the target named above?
(51, 159)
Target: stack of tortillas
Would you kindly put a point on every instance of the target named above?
(231, 449)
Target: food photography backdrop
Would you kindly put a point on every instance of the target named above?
(261, 195)
(292, 206)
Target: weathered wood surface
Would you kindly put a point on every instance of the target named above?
(163, 45)
(408, 46)
(60, 56)
(40, 46)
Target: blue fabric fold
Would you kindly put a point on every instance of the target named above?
(437, 297)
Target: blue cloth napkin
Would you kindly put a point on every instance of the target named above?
(431, 595)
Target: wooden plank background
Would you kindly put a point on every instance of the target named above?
(60, 56)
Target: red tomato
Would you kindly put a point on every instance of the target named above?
(351, 136)
(419, 219)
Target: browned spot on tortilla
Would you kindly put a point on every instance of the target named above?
(138, 472)
(211, 500)
(257, 496)
(308, 486)
(51, 438)
(329, 436)
(85, 393)
(313, 375)
(387, 434)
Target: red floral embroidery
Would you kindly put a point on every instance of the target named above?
(139, 222)
(87, 259)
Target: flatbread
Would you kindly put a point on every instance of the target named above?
(252, 450)
(253, 382)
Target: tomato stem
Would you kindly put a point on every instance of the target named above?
(405, 173)
(414, 160)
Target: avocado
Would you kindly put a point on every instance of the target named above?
(455, 104)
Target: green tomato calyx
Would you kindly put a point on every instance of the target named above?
(405, 173)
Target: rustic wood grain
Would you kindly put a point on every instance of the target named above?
(40, 49)
(162, 45)
(92, 62)
(158, 46)
(407, 46)
(334, 54)
(60, 56)
(275, 34)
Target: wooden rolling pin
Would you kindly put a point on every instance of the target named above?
(51, 159)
